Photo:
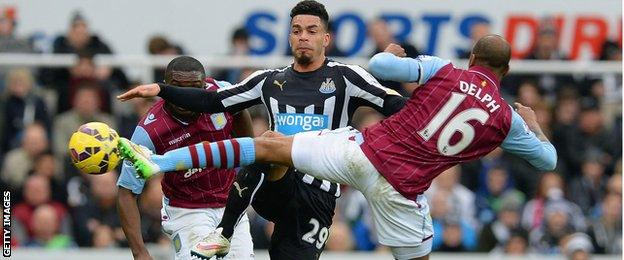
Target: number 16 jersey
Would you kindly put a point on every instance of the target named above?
(455, 116)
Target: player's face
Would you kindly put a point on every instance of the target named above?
(308, 38)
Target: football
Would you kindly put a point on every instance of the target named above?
(93, 148)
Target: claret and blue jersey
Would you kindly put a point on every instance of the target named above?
(160, 132)
(455, 116)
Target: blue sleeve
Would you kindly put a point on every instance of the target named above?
(387, 66)
(223, 84)
(522, 142)
(128, 178)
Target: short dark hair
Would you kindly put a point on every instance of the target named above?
(311, 7)
(240, 34)
(158, 44)
(184, 64)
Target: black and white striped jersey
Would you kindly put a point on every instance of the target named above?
(298, 101)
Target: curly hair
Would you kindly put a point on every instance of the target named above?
(311, 7)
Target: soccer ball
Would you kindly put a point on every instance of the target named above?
(93, 148)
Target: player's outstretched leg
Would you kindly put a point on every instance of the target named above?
(230, 153)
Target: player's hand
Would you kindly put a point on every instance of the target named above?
(144, 91)
(528, 115)
(396, 49)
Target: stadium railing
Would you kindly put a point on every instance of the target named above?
(145, 63)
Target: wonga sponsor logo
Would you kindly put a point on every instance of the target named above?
(290, 124)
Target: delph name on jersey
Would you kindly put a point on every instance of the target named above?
(475, 91)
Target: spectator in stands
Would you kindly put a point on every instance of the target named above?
(606, 231)
(550, 190)
(83, 73)
(46, 165)
(546, 47)
(463, 200)
(103, 237)
(457, 233)
(499, 232)
(533, 213)
(382, 36)
(99, 210)
(557, 225)
(544, 115)
(591, 184)
(516, 245)
(86, 109)
(478, 29)
(611, 50)
(480, 169)
(340, 238)
(239, 47)
(529, 94)
(566, 114)
(79, 39)
(332, 50)
(36, 193)
(591, 134)
(547, 43)
(45, 225)
(127, 122)
(357, 213)
(606, 88)
(159, 45)
(577, 246)
(615, 182)
(498, 190)
(19, 161)
(21, 106)
(457, 236)
(9, 42)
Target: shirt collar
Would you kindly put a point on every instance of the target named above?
(486, 73)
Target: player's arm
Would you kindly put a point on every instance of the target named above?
(242, 125)
(231, 99)
(130, 188)
(365, 90)
(388, 66)
(526, 139)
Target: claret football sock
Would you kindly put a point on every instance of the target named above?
(230, 153)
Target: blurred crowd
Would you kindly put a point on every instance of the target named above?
(498, 204)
